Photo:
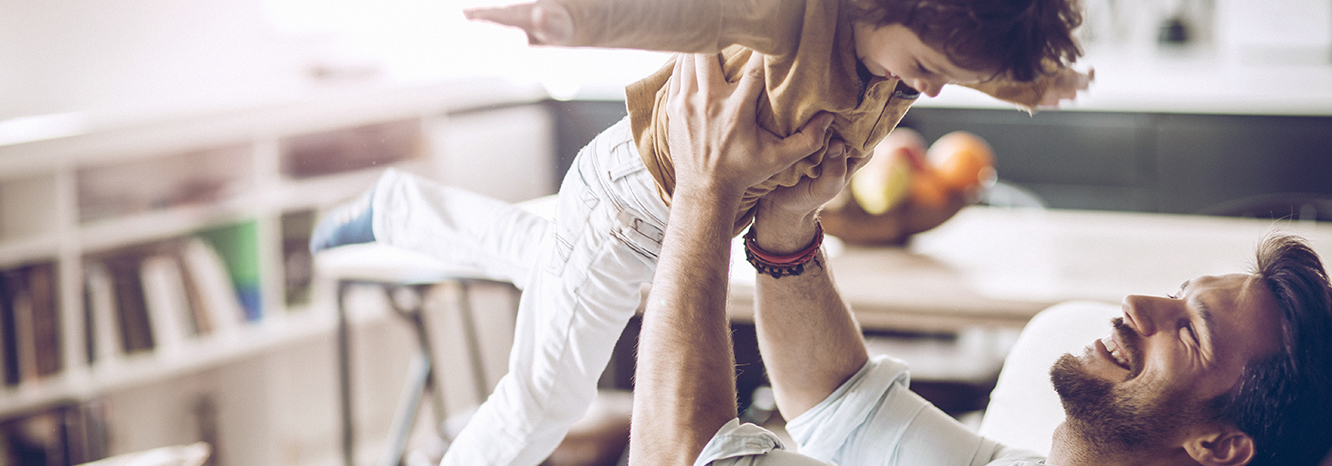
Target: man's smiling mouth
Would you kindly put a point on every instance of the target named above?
(1117, 353)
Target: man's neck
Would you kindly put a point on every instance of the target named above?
(1070, 448)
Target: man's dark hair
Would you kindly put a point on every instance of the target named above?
(1022, 38)
(1284, 401)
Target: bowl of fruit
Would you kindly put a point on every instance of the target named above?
(906, 188)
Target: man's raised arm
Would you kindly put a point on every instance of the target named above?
(809, 340)
(684, 384)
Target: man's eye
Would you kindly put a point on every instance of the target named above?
(1192, 335)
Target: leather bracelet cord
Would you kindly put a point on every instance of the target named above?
(779, 266)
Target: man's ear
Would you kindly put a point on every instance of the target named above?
(1223, 446)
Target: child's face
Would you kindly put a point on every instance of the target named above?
(895, 51)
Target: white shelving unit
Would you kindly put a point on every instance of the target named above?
(122, 184)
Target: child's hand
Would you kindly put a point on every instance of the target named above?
(546, 23)
(1065, 86)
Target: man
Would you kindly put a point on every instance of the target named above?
(1230, 370)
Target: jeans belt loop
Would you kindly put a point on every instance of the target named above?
(646, 229)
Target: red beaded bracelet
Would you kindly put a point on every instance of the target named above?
(781, 265)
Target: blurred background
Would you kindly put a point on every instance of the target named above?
(163, 161)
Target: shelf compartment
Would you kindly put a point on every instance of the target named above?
(152, 226)
(145, 368)
(197, 178)
(350, 149)
(29, 208)
(15, 252)
(326, 191)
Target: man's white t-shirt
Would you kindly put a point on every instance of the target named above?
(872, 419)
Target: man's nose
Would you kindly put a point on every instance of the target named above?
(1144, 311)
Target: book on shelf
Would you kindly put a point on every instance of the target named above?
(31, 323)
(166, 301)
(8, 331)
(238, 246)
(136, 333)
(297, 262)
(158, 296)
(103, 322)
(57, 435)
(207, 275)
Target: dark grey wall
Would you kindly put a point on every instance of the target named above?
(576, 123)
(1153, 162)
(1267, 166)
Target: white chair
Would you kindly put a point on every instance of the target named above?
(1024, 409)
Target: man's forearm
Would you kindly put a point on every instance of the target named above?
(685, 379)
(809, 340)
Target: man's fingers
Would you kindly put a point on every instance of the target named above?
(807, 140)
(751, 83)
(690, 84)
(673, 84)
(709, 70)
(854, 165)
(835, 162)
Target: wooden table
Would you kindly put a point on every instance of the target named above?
(1000, 266)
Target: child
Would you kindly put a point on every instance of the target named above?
(862, 61)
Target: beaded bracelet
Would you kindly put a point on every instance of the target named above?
(781, 265)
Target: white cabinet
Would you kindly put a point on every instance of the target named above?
(81, 215)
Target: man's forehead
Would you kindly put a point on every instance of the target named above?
(1240, 310)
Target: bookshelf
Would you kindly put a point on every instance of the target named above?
(143, 254)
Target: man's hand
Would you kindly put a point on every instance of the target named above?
(810, 194)
(1065, 86)
(713, 134)
(784, 222)
(546, 23)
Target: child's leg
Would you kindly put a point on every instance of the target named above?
(585, 286)
(477, 235)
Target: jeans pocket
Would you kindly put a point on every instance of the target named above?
(572, 221)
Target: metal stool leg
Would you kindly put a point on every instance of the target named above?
(344, 376)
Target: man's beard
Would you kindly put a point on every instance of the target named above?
(1118, 420)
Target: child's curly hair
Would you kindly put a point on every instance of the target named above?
(1024, 39)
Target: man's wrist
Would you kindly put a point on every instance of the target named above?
(784, 234)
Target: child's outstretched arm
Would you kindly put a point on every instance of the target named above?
(691, 26)
(546, 23)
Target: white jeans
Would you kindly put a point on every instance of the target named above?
(581, 277)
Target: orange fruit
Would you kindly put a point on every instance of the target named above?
(962, 160)
(929, 188)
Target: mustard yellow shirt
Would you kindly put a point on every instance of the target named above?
(811, 66)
